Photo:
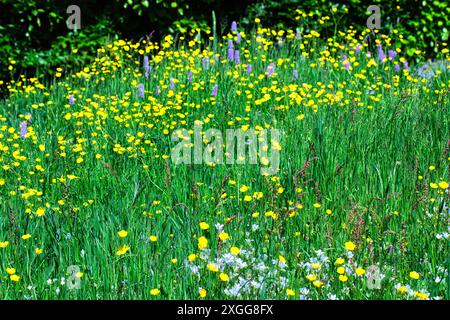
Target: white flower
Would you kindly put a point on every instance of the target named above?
(219, 227)
(304, 291)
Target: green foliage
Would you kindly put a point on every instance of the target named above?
(423, 24)
(33, 34)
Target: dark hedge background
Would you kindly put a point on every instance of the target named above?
(34, 38)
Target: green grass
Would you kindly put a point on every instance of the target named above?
(363, 150)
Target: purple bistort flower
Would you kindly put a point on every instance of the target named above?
(214, 91)
(270, 69)
(381, 55)
(392, 54)
(238, 38)
(146, 66)
(230, 50)
(249, 68)
(23, 129)
(237, 59)
(205, 62)
(346, 62)
(141, 93)
(234, 26)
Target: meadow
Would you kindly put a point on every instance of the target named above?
(93, 207)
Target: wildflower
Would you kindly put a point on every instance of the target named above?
(171, 84)
(202, 243)
(122, 233)
(212, 267)
(230, 44)
(341, 270)
(443, 185)
(71, 100)
(146, 66)
(38, 251)
(350, 246)
(318, 283)
(402, 289)
(40, 212)
(26, 236)
(11, 271)
(294, 75)
(153, 238)
(205, 62)
(155, 292)
(230, 50)
(214, 91)
(421, 295)
(397, 67)
(243, 188)
(230, 54)
(223, 277)
(311, 277)
(23, 129)
(202, 292)
(358, 49)
(121, 250)
(190, 75)
(343, 278)
(290, 292)
(157, 91)
(270, 70)
(392, 54)
(224, 236)
(346, 62)
(234, 251)
(414, 275)
(249, 68)
(14, 277)
(204, 226)
(360, 271)
(234, 26)
(4, 244)
(238, 38)
(237, 59)
(192, 257)
(141, 93)
(381, 55)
